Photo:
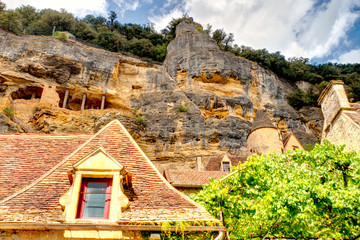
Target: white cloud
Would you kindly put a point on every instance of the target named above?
(79, 8)
(296, 27)
(125, 5)
(350, 57)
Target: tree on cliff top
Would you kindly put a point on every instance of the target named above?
(296, 195)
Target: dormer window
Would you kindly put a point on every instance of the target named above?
(94, 199)
(96, 192)
(226, 166)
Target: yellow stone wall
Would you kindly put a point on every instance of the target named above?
(61, 235)
(292, 144)
(334, 99)
(50, 96)
(264, 141)
(344, 131)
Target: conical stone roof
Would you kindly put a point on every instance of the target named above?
(261, 121)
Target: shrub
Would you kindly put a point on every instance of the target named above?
(182, 108)
(9, 112)
(139, 119)
(62, 37)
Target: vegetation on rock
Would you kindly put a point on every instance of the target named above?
(296, 195)
(182, 108)
(10, 113)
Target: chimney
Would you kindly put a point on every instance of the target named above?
(333, 100)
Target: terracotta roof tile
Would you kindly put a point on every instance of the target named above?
(25, 157)
(191, 177)
(261, 121)
(152, 198)
(214, 163)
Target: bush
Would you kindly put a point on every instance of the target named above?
(62, 37)
(9, 112)
(182, 108)
(296, 195)
(140, 120)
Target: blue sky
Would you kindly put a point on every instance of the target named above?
(321, 30)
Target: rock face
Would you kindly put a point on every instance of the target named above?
(200, 102)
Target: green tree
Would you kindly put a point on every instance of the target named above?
(28, 14)
(110, 40)
(159, 52)
(112, 17)
(296, 195)
(84, 31)
(63, 21)
(2, 6)
(10, 20)
(219, 35)
(141, 47)
(170, 31)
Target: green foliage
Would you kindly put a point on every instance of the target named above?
(110, 40)
(138, 117)
(9, 112)
(170, 31)
(295, 195)
(61, 36)
(2, 6)
(112, 17)
(141, 47)
(84, 31)
(182, 108)
(10, 21)
(299, 98)
(63, 21)
(180, 233)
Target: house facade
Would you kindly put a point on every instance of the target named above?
(99, 186)
(341, 118)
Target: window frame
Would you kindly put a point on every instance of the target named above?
(82, 196)
(223, 166)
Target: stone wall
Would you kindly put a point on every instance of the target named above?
(264, 141)
(66, 235)
(344, 131)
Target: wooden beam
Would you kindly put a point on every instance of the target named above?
(83, 102)
(103, 98)
(103, 227)
(66, 98)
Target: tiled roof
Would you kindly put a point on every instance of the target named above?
(261, 121)
(25, 157)
(37, 198)
(286, 139)
(356, 115)
(214, 163)
(191, 178)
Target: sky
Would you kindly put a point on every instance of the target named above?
(321, 30)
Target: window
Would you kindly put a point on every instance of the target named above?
(226, 166)
(94, 198)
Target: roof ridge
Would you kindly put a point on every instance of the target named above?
(158, 173)
(42, 177)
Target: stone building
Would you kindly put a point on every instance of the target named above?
(191, 181)
(264, 137)
(99, 186)
(341, 118)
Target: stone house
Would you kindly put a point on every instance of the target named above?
(263, 138)
(99, 186)
(341, 118)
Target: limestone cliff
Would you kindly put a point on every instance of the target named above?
(200, 102)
